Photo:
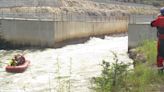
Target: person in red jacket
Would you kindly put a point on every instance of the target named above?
(159, 24)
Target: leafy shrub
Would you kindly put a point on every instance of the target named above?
(143, 78)
(112, 77)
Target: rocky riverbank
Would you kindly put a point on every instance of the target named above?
(137, 56)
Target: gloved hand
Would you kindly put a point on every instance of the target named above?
(152, 23)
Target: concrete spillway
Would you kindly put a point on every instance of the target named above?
(49, 33)
(67, 69)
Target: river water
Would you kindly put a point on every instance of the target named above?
(66, 69)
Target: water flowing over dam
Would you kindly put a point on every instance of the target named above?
(69, 68)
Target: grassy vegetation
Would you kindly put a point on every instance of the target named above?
(149, 49)
(143, 78)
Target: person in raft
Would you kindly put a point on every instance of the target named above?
(159, 24)
(17, 60)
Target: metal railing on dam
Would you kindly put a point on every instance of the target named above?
(28, 3)
(138, 4)
(132, 18)
(90, 16)
(58, 3)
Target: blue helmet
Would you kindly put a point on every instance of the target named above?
(162, 10)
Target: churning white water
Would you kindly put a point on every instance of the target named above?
(66, 69)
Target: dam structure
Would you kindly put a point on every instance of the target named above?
(47, 29)
(41, 23)
(48, 32)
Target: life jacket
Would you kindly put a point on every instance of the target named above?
(159, 23)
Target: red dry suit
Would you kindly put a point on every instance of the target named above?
(159, 23)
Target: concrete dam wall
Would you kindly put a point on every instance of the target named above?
(49, 33)
(139, 32)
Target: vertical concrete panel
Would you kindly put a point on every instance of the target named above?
(28, 32)
(72, 30)
(46, 30)
(1, 30)
(101, 28)
(57, 31)
(137, 33)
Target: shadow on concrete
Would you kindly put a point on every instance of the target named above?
(4, 45)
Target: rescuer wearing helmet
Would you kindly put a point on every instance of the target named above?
(159, 24)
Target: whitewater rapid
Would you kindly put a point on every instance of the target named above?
(66, 69)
